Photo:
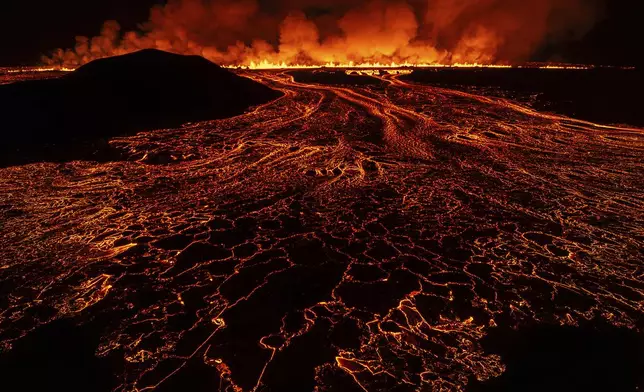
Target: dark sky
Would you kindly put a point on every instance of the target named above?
(30, 28)
(616, 39)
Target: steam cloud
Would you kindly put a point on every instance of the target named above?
(315, 32)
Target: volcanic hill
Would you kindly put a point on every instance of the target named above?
(149, 89)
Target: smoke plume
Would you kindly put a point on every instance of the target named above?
(316, 32)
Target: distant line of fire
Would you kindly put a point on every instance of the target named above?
(265, 65)
(269, 65)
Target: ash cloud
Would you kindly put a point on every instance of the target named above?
(318, 32)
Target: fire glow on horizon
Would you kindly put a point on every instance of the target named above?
(266, 65)
(347, 34)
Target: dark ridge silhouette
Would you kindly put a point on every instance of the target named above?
(607, 95)
(66, 118)
(329, 77)
(592, 357)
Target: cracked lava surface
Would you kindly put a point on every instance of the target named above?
(338, 238)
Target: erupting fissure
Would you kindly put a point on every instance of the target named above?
(266, 65)
(352, 33)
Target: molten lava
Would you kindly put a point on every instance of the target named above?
(267, 65)
(338, 238)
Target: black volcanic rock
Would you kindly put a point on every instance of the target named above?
(150, 89)
(594, 356)
(608, 95)
(333, 77)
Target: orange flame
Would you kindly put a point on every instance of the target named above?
(352, 33)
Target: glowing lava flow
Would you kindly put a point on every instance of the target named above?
(39, 69)
(267, 65)
(339, 238)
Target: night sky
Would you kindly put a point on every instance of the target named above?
(29, 29)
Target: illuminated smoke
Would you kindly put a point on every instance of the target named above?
(316, 32)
